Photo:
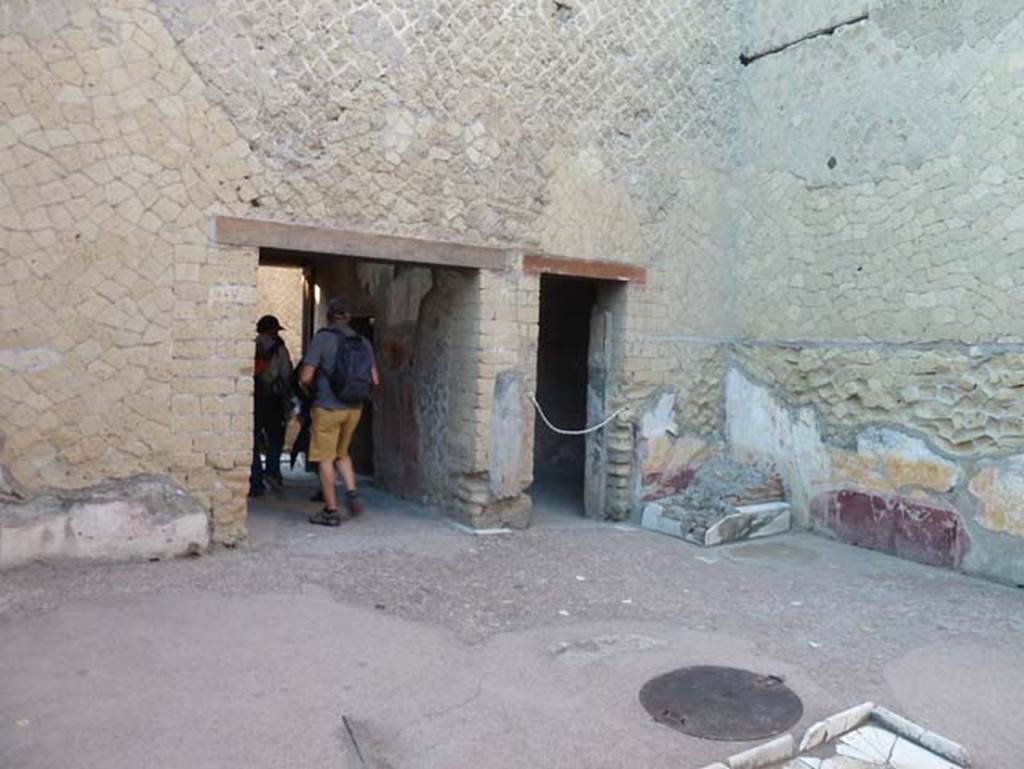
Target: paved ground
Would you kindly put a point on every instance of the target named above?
(449, 650)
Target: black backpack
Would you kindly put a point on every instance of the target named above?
(351, 378)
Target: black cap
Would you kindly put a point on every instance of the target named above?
(268, 323)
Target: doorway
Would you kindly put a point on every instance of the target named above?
(284, 291)
(295, 287)
(563, 345)
(414, 317)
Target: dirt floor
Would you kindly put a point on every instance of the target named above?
(444, 649)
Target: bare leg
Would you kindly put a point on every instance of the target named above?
(348, 472)
(327, 479)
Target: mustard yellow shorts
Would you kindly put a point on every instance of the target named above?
(332, 433)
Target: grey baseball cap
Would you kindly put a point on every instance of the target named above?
(337, 308)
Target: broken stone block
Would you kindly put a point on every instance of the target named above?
(709, 528)
(723, 484)
(778, 749)
(907, 755)
(749, 522)
(851, 718)
(145, 517)
(867, 743)
(655, 520)
(727, 502)
(907, 729)
(815, 735)
(861, 737)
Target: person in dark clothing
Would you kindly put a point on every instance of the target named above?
(305, 405)
(302, 438)
(272, 373)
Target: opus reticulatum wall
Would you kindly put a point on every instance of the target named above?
(831, 226)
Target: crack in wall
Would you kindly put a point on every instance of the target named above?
(747, 60)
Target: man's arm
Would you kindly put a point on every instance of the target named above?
(310, 362)
(306, 376)
(374, 371)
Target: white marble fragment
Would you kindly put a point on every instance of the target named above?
(869, 743)
(840, 723)
(778, 749)
(936, 743)
(845, 762)
(655, 520)
(815, 735)
(907, 755)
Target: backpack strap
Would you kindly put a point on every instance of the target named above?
(320, 370)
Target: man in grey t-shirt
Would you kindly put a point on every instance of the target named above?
(334, 422)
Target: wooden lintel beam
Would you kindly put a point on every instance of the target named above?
(260, 233)
(583, 268)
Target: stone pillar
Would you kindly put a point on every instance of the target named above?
(211, 380)
(610, 465)
(494, 376)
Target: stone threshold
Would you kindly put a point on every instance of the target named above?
(475, 532)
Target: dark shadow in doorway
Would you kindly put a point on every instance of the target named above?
(566, 305)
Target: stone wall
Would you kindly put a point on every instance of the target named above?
(126, 335)
(611, 139)
(880, 247)
(425, 427)
(839, 222)
(125, 126)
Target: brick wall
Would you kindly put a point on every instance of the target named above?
(279, 292)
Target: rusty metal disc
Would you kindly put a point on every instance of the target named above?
(719, 703)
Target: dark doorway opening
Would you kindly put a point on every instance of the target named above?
(361, 449)
(559, 461)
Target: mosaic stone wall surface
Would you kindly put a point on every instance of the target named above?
(876, 258)
(583, 129)
(841, 221)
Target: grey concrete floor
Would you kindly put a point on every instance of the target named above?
(450, 650)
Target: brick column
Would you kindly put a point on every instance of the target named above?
(214, 322)
(498, 364)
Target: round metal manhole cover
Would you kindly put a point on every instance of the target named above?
(721, 703)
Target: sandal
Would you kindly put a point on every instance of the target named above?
(326, 517)
(355, 504)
